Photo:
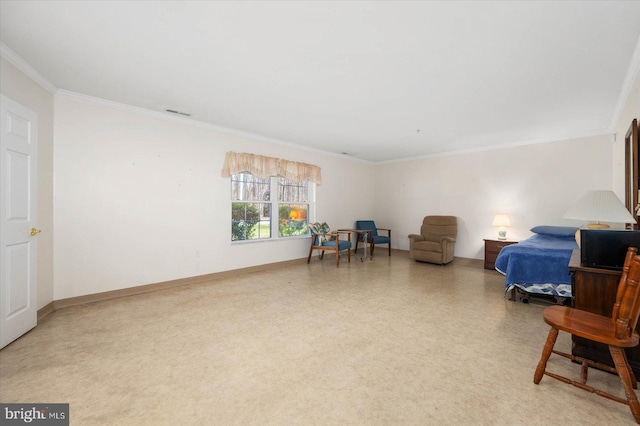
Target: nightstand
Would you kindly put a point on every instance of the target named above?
(491, 250)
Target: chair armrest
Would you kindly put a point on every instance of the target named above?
(335, 234)
(340, 231)
(416, 237)
(385, 229)
(328, 236)
(448, 239)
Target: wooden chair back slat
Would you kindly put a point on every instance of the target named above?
(633, 281)
(623, 281)
(627, 306)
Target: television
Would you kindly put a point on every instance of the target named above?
(606, 248)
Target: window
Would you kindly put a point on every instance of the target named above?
(250, 215)
(252, 204)
(293, 207)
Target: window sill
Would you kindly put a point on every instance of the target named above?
(271, 240)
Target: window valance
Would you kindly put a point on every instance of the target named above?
(263, 167)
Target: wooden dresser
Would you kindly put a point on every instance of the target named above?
(594, 290)
(491, 250)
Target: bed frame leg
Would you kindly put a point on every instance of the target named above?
(560, 300)
(521, 296)
(517, 295)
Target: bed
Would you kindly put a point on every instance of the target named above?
(539, 264)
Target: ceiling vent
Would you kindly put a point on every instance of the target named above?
(173, 111)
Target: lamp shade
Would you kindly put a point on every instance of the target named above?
(600, 206)
(501, 220)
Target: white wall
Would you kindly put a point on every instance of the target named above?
(139, 198)
(630, 111)
(533, 184)
(22, 89)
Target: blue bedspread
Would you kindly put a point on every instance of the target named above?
(539, 264)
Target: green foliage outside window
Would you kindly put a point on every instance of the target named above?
(244, 219)
(254, 207)
(292, 220)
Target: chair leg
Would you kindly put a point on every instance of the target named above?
(310, 251)
(546, 353)
(389, 248)
(632, 375)
(357, 240)
(337, 256)
(373, 246)
(622, 367)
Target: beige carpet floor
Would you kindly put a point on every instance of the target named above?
(382, 342)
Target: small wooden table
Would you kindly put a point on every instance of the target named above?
(492, 249)
(367, 238)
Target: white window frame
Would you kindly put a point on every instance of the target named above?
(274, 206)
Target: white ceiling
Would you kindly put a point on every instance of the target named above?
(380, 81)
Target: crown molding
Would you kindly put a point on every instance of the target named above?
(627, 86)
(566, 137)
(201, 124)
(239, 133)
(17, 61)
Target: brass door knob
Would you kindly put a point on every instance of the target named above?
(35, 231)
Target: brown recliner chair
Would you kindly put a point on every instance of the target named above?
(436, 240)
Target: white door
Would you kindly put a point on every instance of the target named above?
(18, 247)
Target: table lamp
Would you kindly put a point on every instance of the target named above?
(600, 206)
(501, 220)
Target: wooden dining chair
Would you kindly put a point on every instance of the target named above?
(322, 238)
(617, 331)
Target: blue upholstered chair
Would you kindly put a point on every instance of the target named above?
(370, 225)
(322, 238)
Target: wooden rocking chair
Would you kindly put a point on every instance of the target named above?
(618, 332)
